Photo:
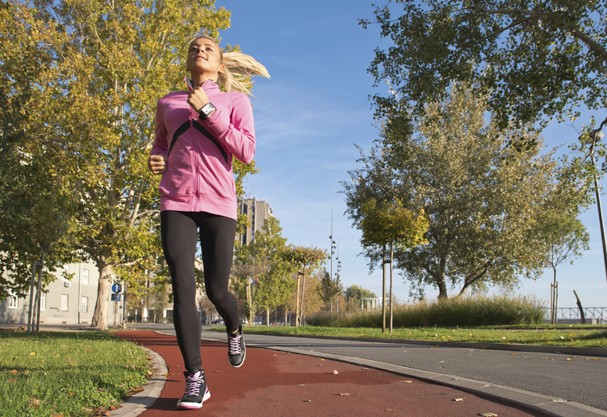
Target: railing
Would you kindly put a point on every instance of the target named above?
(598, 314)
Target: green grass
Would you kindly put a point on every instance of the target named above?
(578, 336)
(67, 373)
(480, 319)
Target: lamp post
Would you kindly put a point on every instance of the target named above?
(596, 135)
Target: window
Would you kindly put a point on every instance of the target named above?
(84, 304)
(64, 302)
(85, 276)
(13, 301)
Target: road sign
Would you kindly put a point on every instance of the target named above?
(116, 288)
(116, 297)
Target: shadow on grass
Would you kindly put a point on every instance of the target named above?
(67, 335)
(594, 336)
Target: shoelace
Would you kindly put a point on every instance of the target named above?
(193, 383)
(234, 342)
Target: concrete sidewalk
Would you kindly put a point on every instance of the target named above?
(282, 384)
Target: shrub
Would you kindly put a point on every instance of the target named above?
(461, 311)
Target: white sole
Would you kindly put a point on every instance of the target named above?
(193, 406)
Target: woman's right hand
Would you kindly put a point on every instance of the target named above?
(156, 164)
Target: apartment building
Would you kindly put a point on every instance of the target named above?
(256, 212)
(64, 301)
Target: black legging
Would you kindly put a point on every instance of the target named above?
(179, 231)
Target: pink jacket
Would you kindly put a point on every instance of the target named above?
(198, 153)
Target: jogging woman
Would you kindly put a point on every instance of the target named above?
(198, 132)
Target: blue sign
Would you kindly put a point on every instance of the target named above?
(116, 287)
(116, 297)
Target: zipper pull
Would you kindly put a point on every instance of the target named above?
(188, 82)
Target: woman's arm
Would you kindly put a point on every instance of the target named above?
(156, 161)
(236, 134)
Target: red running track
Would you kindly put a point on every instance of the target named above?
(279, 384)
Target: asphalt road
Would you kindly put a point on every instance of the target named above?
(570, 377)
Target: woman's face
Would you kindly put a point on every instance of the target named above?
(204, 57)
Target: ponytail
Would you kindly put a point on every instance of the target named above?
(239, 68)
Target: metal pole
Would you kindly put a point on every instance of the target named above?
(598, 206)
(596, 135)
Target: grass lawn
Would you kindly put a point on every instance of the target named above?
(64, 374)
(577, 336)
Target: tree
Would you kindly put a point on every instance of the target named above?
(482, 195)
(355, 295)
(329, 289)
(247, 269)
(114, 60)
(36, 210)
(535, 59)
(305, 261)
(274, 286)
(387, 224)
(563, 238)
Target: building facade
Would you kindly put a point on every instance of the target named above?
(256, 212)
(64, 301)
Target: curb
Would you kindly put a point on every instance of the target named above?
(515, 347)
(140, 402)
(556, 407)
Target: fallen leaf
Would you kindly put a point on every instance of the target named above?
(405, 381)
(569, 359)
(458, 399)
(335, 372)
(344, 394)
(13, 372)
(488, 414)
(32, 353)
(34, 402)
(307, 401)
(301, 385)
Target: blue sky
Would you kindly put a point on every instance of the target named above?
(313, 111)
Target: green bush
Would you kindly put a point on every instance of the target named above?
(461, 311)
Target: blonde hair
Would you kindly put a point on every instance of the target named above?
(239, 68)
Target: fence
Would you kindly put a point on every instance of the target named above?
(572, 314)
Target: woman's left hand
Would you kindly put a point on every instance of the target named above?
(197, 98)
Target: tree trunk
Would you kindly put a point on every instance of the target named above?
(383, 291)
(267, 316)
(99, 319)
(391, 296)
(303, 297)
(440, 280)
(297, 301)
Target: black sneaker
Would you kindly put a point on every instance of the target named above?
(237, 350)
(196, 391)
